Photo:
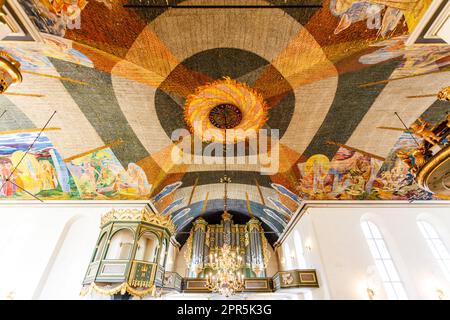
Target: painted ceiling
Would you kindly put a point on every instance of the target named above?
(121, 79)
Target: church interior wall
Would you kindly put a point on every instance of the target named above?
(47, 257)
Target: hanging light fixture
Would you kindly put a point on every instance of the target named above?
(226, 277)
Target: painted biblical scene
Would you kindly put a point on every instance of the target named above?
(383, 15)
(394, 181)
(57, 16)
(415, 60)
(36, 59)
(37, 171)
(349, 175)
(100, 175)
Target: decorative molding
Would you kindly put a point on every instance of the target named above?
(258, 285)
(173, 281)
(107, 204)
(438, 23)
(297, 278)
(139, 215)
(22, 28)
(195, 285)
(426, 30)
(121, 288)
(198, 285)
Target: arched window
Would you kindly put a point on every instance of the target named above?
(99, 249)
(299, 250)
(147, 249)
(383, 261)
(436, 245)
(121, 245)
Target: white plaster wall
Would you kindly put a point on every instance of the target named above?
(334, 244)
(45, 251)
(180, 262)
(172, 254)
(272, 265)
(45, 248)
(69, 268)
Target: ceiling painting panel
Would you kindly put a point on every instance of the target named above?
(123, 80)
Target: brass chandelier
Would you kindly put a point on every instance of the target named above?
(227, 278)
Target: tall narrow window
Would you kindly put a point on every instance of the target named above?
(385, 265)
(436, 245)
(299, 250)
(288, 256)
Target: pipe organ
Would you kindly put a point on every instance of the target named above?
(247, 240)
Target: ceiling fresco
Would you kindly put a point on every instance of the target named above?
(123, 80)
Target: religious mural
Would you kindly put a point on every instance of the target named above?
(100, 175)
(280, 207)
(56, 16)
(38, 171)
(167, 190)
(182, 218)
(281, 219)
(41, 172)
(416, 60)
(146, 78)
(286, 192)
(37, 59)
(394, 181)
(382, 15)
(173, 206)
(349, 175)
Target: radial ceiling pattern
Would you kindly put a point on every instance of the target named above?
(129, 80)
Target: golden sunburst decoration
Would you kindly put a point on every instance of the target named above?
(222, 105)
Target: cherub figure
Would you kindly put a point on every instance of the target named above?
(421, 130)
(444, 94)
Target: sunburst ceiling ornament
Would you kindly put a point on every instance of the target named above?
(225, 104)
(225, 116)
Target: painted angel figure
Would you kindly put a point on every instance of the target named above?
(351, 11)
(69, 8)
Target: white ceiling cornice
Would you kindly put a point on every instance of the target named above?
(21, 26)
(428, 29)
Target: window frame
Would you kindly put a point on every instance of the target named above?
(384, 263)
(436, 245)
